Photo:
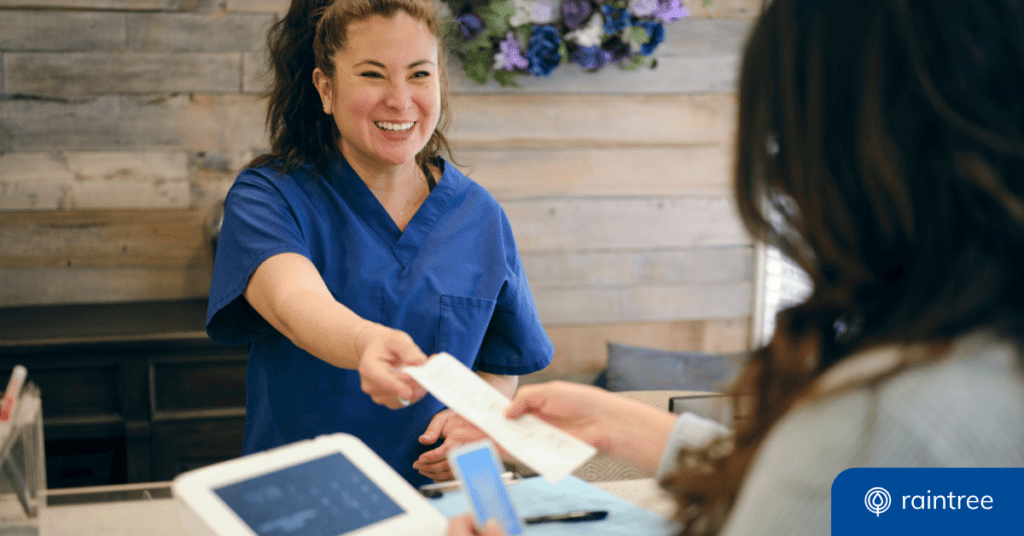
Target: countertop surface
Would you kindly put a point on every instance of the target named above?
(148, 509)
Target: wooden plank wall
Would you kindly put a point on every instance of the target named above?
(123, 122)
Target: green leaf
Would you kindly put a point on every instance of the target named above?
(506, 78)
(638, 35)
(496, 15)
(523, 34)
(564, 52)
(636, 61)
(480, 43)
(477, 65)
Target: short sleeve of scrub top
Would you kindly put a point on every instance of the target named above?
(452, 280)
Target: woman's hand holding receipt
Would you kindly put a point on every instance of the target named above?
(627, 429)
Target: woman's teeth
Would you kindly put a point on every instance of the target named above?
(394, 127)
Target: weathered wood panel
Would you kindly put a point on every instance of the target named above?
(169, 239)
(531, 173)
(93, 180)
(256, 77)
(170, 5)
(581, 351)
(716, 73)
(570, 270)
(701, 36)
(272, 6)
(93, 73)
(56, 30)
(481, 121)
(193, 32)
(644, 303)
(196, 122)
(726, 8)
(606, 224)
(46, 286)
(544, 121)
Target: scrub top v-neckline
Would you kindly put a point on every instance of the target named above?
(403, 244)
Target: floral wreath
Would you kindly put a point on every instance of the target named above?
(506, 38)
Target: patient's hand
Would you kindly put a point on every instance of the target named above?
(456, 431)
(463, 526)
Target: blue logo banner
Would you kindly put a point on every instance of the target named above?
(933, 501)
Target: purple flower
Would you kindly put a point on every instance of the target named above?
(511, 55)
(615, 20)
(575, 12)
(671, 10)
(590, 58)
(543, 53)
(655, 33)
(469, 25)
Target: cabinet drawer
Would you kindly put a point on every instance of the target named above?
(78, 390)
(191, 387)
(186, 445)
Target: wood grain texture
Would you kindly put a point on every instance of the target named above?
(605, 172)
(726, 8)
(269, 6)
(94, 73)
(94, 180)
(143, 5)
(168, 239)
(575, 270)
(716, 73)
(545, 121)
(45, 286)
(198, 32)
(570, 224)
(644, 303)
(199, 122)
(56, 30)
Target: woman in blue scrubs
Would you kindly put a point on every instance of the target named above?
(354, 249)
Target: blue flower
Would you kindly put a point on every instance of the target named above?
(655, 33)
(615, 20)
(543, 53)
(590, 58)
(575, 12)
(469, 25)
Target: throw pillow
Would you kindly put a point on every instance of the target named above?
(633, 368)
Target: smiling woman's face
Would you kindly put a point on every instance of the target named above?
(385, 96)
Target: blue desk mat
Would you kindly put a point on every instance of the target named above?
(537, 496)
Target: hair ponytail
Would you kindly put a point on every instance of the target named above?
(299, 131)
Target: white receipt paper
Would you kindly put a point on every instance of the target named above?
(544, 448)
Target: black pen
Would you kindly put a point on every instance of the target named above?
(569, 517)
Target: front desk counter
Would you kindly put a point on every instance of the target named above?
(149, 510)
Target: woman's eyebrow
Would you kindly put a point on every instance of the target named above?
(412, 65)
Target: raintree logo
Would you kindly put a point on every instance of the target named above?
(877, 500)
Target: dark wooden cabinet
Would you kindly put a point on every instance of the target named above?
(131, 392)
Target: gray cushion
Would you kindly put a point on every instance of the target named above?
(633, 368)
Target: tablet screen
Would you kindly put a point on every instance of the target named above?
(327, 496)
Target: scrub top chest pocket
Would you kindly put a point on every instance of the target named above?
(464, 321)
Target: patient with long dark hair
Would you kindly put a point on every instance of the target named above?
(880, 147)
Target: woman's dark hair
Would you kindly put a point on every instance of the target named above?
(308, 37)
(880, 147)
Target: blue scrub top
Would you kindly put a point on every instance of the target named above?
(453, 281)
